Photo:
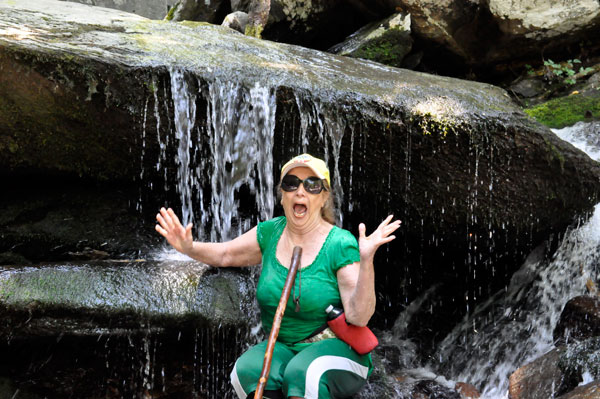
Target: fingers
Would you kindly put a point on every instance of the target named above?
(362, 230)
(383, 231)
(173, 216)
(169, 223)
(161, 231)
(386, 221)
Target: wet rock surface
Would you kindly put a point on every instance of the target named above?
(587, 391)
(538, 379)
(114, 329)
(93, 93)
(579, 320)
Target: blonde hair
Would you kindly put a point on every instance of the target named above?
(328, 210)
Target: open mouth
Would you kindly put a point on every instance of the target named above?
(300, 210)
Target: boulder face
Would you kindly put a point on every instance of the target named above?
(538, 379)
(202, 117)
(387, 42)
(114, 329)
(484, 34)
(579, 320)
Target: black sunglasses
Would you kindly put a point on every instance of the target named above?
(312, 184)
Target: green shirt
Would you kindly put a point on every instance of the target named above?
(319, 286)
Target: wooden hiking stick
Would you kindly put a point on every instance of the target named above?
(285, 295)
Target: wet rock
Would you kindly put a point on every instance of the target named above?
(58, 220)
(123, 329)
(93, 92)
(539, 379)
(581, 361)
(467, 391)
(387, 42)
(587, 391)
(579, 320)
(428, 389)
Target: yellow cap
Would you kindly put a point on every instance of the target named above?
(307, 161)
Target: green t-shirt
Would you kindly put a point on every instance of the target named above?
(319, 286)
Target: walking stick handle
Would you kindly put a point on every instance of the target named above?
(285, 295)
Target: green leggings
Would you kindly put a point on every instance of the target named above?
(320, 370)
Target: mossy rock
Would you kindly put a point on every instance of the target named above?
(566, 111)
(389, 49)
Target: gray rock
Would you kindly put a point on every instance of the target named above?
(486, 33)
(194, 10)
(236, 20)
(153, 9)
(91, 92)
(528, 88)
(113, 298)
(387, 42)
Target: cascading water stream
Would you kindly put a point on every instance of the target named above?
(216, 158)
(515, 326)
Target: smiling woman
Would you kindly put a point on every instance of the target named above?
(308, 360)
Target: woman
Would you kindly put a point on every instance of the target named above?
(334, 270)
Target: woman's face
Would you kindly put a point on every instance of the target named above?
(302, 208)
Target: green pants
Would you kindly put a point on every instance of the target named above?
(320, 370)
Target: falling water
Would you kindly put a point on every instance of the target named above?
(328, 124)
(217, 154)
(241, 124)
(515, 326)
(184, 104)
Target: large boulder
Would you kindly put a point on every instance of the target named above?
(203, 117)
(122, 329)
(484, 35)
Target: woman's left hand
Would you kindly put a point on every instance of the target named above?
(382, 235)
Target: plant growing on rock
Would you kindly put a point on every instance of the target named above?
(565, 70)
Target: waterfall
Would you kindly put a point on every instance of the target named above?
(515, 326)
(221, 136)
(240, 129)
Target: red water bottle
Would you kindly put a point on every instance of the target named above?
(361, 339)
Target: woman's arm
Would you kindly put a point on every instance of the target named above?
(242, 251)
(357, 281)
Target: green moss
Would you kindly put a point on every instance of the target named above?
(171, 13)
(565, 111)
(555, 154)
(193, 24)
(254, 30)
(389, 49)
(439, 125)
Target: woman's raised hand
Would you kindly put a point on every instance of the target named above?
(382, 235)
(171, 228)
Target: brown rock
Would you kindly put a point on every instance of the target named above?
(580, 319)
(538, 379)
(467, 391)
(588, 391)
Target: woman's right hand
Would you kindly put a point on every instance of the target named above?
(171, 228)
